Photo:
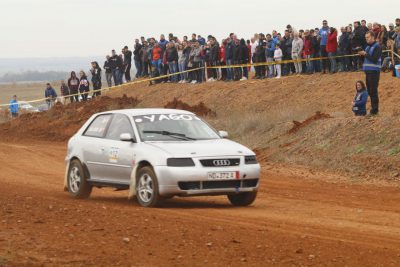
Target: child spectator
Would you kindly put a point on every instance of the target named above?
(83, 86)
(360, 100)
(64, 89)
(278, 59)
(14, 107)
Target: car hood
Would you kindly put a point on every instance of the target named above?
(202, 148)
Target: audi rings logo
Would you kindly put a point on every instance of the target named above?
(222, 162)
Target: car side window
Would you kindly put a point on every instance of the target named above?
(120, 124)
(98, 126)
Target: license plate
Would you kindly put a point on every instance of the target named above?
(223, 175)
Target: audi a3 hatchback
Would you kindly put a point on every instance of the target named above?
(157, 154)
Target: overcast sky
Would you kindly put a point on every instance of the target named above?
(65, 28)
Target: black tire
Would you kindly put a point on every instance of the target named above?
(143, 195)
(242, 199)
(78, 186)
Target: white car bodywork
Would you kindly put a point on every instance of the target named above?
(116, 163)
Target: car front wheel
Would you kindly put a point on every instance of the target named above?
(242, 199)
(147, 188)
(78, 187)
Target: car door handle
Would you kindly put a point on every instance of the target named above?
(102, 149)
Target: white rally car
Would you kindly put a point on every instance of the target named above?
(158, 154)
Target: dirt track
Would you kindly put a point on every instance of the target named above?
(298, 219)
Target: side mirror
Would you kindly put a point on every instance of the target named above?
(223, 134)
(126, 137)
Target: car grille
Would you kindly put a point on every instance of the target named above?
(219, 162)
(218, 184)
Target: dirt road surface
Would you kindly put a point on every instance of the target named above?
(299, 219)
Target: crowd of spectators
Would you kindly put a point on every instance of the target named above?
(317, 50)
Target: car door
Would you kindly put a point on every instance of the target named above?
(120, 154)
(94, 150)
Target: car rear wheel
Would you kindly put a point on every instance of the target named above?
(78, 187)
(242, 199)
(147, 188)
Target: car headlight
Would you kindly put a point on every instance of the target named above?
(250, 160)
(180, 162)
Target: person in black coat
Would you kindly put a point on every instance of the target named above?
(96, 78)
(244, 58)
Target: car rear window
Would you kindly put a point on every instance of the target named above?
(98, 126)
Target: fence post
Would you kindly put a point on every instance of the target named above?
(205, 70)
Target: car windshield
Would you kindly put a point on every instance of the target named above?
(173, 127)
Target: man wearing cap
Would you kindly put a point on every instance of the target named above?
(14, 107)
(372, 68)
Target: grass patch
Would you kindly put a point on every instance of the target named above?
(394, 151)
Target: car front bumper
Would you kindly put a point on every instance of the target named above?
(192, 181)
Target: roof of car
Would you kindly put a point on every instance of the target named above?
(148, 111)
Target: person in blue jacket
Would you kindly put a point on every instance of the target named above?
(50, 95)
(360, 100)
(14, 107)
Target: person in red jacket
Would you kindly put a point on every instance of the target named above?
(249, 49)
(308, 51)
(331, 48)
(222, 59)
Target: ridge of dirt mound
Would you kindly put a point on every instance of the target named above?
(61, 122)
(200, 109)
(299, 125)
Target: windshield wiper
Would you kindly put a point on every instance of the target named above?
(176, 135)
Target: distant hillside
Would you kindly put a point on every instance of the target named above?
(33, 76)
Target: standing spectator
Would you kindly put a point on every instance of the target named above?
(357, 43)
(50, 95)
(250, 55)
(96, 78)
(286, 47)
(391, 31)
(108, 70)
(116, 67)
(229, 58)
(214, 57)
(137, 58)
(194, 60)
(308, 51)
(297, 48)
(157, 58)
(64, 89)
(331, 48)
(360, 99)
(172, 59)
(83, 86)
(14, 107)
(323, 38)
(73, 84)
(316, 45)
(144, 59)
(222, 59)
(372, 68)
(183, 56)
(344, 49)
(269, 50)
(237, 60)
(127, 63)
(364, 26)
(244, 58)
(278, 58)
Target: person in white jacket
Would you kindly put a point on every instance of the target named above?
(297, 49)
(278, 58)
